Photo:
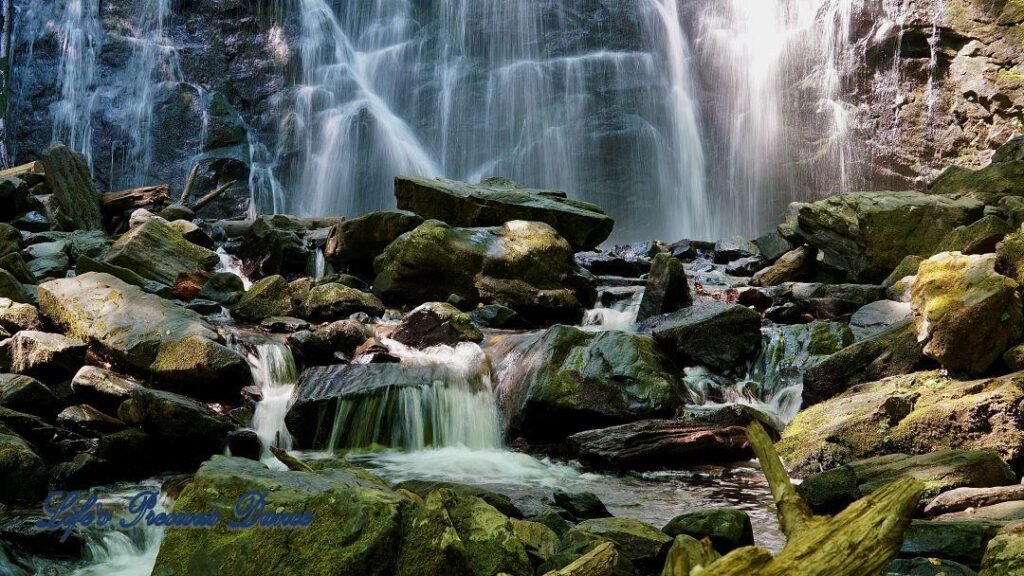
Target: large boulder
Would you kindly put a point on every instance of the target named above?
(711, 333)
(75, 203)
(274, 245)
(912, 414)
(868, 233)
(989, 184)
(42, 355)
(644, 545)
(965, 312)
(659, 444)
(202, 368)
(792, 266)
(23, 474)
(727, 529)
(271, 296)
(134, 328)
(667, 289)
(102, 388)
(158, 252)
(187, 432)
(525, 266)
(355, 243)
(436, 323)
(568, 380)
(496, 201)
(979, 237)
(333, 301)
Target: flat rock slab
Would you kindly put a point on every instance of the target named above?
(654, 444)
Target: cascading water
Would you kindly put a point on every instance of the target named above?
(274, 371)
(80, 34)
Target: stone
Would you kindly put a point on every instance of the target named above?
(772, 246)
(86, 264)
(500, 502)
(42, 355)
(568, 380)
(891, 352)
(329, 302)
(746, 267)
(497, 316)
(988, 184)
(23, 474)
(540, 542)
(833, 490)
(726, 528)
(268, 297)
(667, 288)
(15, 316)
(321, 345)
(733, 248)
(284, 324)
(10, 239)
(224, 288)
(274, 245)
(963, 542)
(199, 367)
(828, 301)
(644, 545)
(912, 414)
(355, 243)
(436, 323)
(28, 395)
(612, 264)
(17, 267)
(792, 266)
(658, 444)
(525, 266)
(979, 237)
(497, 201)
(965, 313)
(245, 444)
(1010, 256)
(76, 202)
(55, 266)
(11, 289)
(712, 333)
(867, 234)
(156, 251)
(874, 318)
(959, 499)
(1004, 555)
(186, 432)
(582, 505)
(88, 420)
(102, 388)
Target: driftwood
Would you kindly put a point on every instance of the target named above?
(189, 182)
(135, 198)
(859, 541)
(199, 204)
(290, 461)
(19, 171)
(601, 561)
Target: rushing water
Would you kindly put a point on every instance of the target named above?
(274, 371)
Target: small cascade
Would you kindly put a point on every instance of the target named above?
(80, 34)
(618, 315)
(931, 94)
(131, 552)
(229, 263)
(317, 267)
(446, 400)
(274, 371)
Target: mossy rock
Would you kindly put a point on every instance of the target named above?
(11, 289)
(202, 368)
(156, 251)
(988, 184)
(333, 301)
(979, 237)
(715, 334)
(644, 545)
(728, 529)
(1004, 555)
(268, 297)
(907, 267)
(355, 243)
(1010, 256)
(436, 323)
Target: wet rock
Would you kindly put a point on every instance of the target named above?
(829, 301)
(355, 243)
(979, 237)
(224, 288)
(965, 313)
(960, 499)
(329, 302)
(892, 352)
(284, 324)
(833, 490)
(867, 234)
(746, 267)
(86, 264)
(23, 474)
(500, 502)
(913, 414)
(963, 542)
(496, 201)
(497, 316)
(540, 542)
(728, 529)
(198, 366)
(772, 246)
(712, 333)
(26, 394)
(42, 355)
(612, 264)
(644, 545)
(927, 567)
(88, 420)
(569, 380)
(17, 267)
(582, 505)
(436, 323)
(657, 444)
(11, 289)
(245, 444)
(102, 388)
(874, 318)
(319, 346)
(76, 204)
(373, 351)
(667, 289)
(158, 252)
(731, 249)
(187, 432)
(788, 313)
(792, 266)
(268, 297)
(274, 245)
(525, 266)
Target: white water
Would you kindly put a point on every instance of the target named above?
(274, 371)
(621, 315)
(129, 553)
(229, 263)
(80, 35)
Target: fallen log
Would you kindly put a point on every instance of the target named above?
(189, 182)
(133, 198)
(859, 541)
(199, 204)
(35, 167)
(603, 560)
(289, 461)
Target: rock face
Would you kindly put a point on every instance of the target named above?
(913, 414)
(525, 266)
(158, 252)
(712, 333)
(497, 201)
(867, 234)
(654, 444)
(667, 289)
(139, 329)
(354, 243)
(965, 313)
(570, 380)
(436, 323)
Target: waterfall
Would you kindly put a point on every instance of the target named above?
(618, 315)
(80, 35)
(231, 264)
(274, 371)
(132, 552)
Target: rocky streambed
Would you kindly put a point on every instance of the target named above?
(475, 384)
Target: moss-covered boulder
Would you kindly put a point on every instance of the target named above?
(965, 312)
(728, 529)
(568, 380)
(988, 184)
(158, 252)
(1010, 256)
(793, 266)
(496, 201)
(202, 368)
(436, 323)
(274, 244)
(500, 502)
(353, 244)
(912, 414)
(644, 545)
(23, 474)
(271, 296)
(711, 333)
(963, 541)
(224, 288)
(525, 266)
(10, 239)
(868, 233)
(334, 301)
(1004, 555)
(667, 289)
(979, 237)
(42, 355)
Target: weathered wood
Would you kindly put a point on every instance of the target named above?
(135, 198)
(290, 461)
(199, 204)
(189, 182)
(687, 553)
(858, 541)
(35, 167)
(601, 561)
